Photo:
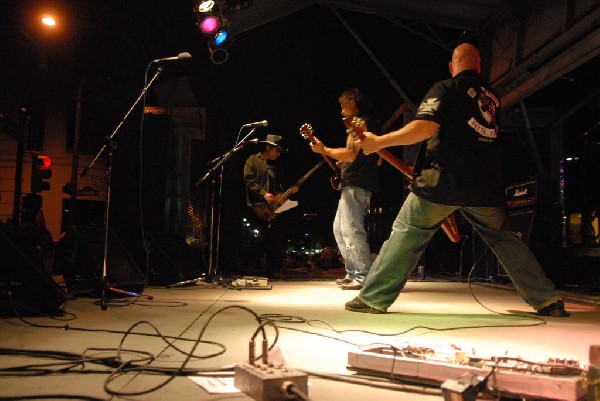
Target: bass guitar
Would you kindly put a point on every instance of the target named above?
(356, 127)
(307, 132)
(268, 211)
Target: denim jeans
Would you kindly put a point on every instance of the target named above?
(412, 230)
(350, 234)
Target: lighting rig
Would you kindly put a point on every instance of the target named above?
(215, 26)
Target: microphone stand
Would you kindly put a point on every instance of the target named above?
(111, 146)
(219, 163)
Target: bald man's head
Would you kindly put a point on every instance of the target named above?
(465, 57)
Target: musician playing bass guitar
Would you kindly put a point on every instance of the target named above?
(359, 179)
(264, 178)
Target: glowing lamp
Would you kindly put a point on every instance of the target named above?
(209, 25)
(206, 6)
(48, 20)
(220, 38)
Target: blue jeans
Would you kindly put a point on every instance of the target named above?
(350, 234)
(412, 230)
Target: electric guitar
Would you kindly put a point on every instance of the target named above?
(356, 127)
(268, 211)
(307, 132)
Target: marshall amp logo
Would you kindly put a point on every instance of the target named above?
(538, 192)
(522, 194)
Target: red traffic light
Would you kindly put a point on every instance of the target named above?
(40, 172)
(42, 162)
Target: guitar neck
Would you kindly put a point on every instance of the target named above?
(404, 168)
(285, 195)
(328, 159)
(330, 162)
(357, 131)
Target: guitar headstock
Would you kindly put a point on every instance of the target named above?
(355, 126)
(307, 132)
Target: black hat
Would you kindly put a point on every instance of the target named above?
(275, 140)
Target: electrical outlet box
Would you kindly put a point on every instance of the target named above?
(265, 382)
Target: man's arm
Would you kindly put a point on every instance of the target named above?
(413, 132)
(347, 154)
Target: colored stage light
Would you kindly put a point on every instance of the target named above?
(209, 25)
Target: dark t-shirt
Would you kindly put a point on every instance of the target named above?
(363, 171)
(462, 165)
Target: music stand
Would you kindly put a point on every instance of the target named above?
(111, 146)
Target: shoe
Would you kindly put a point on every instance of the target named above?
(344, 280)
(352, 285)
(556, 309)
(356, 305)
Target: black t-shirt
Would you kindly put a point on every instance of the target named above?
(363, 171)
(462, 165)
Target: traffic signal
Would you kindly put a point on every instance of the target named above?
(40, 172)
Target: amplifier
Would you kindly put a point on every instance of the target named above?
(534, 192)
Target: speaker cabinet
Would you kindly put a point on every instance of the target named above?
(25, 287)
(540, 228)
(80, 258)
(520, 223)
(171, 260)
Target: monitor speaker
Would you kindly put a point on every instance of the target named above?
(171, 260)
(25, 287)
(80, 258)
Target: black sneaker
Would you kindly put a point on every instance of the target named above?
(556, 309)
(356, 305)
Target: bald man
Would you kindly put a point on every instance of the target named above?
(461, 171)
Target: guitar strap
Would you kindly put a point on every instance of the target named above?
(419, 161)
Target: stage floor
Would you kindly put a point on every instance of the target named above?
(315, 335)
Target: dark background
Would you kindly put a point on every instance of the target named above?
(289, 72)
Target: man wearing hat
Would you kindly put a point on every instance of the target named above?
(265, 179)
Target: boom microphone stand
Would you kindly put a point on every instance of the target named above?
(219, 161)
(111, 146)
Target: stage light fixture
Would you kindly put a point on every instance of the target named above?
(206, 6)
(218, 46)
(221, 38)
(218, 55)
(214, 26)
(210, 24)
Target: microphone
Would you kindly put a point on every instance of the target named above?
(262, 123)
(185, 56)
(250, 142)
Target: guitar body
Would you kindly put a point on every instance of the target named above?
(265, 211)
(268, 211)
(307, 132)
(356, 128)
(335, 182)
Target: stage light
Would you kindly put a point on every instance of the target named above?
(209, 25)
(214, 25)
(221, 38)
(206, 6)
(217, 46)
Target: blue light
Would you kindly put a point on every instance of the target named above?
(220, 38)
